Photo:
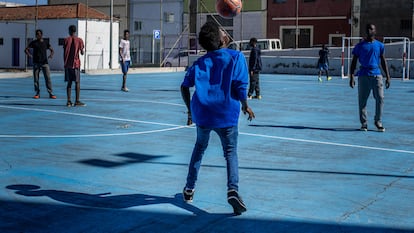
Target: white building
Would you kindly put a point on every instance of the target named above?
(18, 24)
(147, 16)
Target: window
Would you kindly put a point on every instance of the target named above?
(309, 0)
(1, 41)
(168, 17)
(279, 1)
(137, 25)
(61, 41)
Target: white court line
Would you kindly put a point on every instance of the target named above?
(88, 115)
(139, 101)
(91, 135)
(329, 143)
(174, 127)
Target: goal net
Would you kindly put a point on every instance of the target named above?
(397, 53)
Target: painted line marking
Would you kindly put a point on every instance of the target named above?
(329, 143)
(175, 127)
(88, 115)
(92, 135)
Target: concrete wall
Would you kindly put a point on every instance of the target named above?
(14, 30)
(307, 66)
(304, 61)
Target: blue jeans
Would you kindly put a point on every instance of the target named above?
(125, 66)
(228, 137)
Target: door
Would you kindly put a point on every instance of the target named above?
(16, 52)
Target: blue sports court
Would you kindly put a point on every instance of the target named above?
(120, 163)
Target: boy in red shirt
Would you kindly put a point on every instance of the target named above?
(72, 46)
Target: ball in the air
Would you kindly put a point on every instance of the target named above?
(228, 8)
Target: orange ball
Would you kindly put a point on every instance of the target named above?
(228, 8)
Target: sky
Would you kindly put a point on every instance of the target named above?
(27, 2)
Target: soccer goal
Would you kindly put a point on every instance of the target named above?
(397, 51)
(401, 48)
(346, 55)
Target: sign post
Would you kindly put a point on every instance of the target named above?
(156, 36)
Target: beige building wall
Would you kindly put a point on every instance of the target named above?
(120, 9)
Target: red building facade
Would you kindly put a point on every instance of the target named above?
(308, 23)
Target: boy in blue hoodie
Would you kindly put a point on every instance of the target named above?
(220, 78)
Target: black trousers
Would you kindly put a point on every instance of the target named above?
(254, 84)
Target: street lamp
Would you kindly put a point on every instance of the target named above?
(297, 24)
(161, 31)
(111, 12)
(37, 12)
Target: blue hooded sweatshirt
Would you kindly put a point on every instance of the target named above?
(220, 78)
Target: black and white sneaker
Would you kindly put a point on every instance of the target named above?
(79, 104)
(188, 195)
(380, 127)
(236, 202)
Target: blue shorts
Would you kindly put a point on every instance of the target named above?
(323, 66)
(125, 66)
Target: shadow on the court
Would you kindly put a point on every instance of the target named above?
(135, 158)
(35, 104)
(304, 127)
(126, 159)
(83, 212)
(103, 200)
(14, 97)
(259, 169)
(100, 89)
(165, 90)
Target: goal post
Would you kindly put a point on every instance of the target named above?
(400, 51)
(347, 43)
(404, 56)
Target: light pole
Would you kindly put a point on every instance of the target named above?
(111, 12)
(297, 25)
(36, 16)
(85, 60)
(161, 31)
(241, 19)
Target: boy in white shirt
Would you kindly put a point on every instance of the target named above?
(125, 58)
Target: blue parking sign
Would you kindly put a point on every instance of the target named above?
(157, 34)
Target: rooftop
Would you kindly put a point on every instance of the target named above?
(63, 11)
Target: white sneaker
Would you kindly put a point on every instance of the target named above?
(124, 89)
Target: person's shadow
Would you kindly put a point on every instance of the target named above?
(105, 200)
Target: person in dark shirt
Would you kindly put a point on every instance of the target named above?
(255, 66)
(323, 63)
(40, 62)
